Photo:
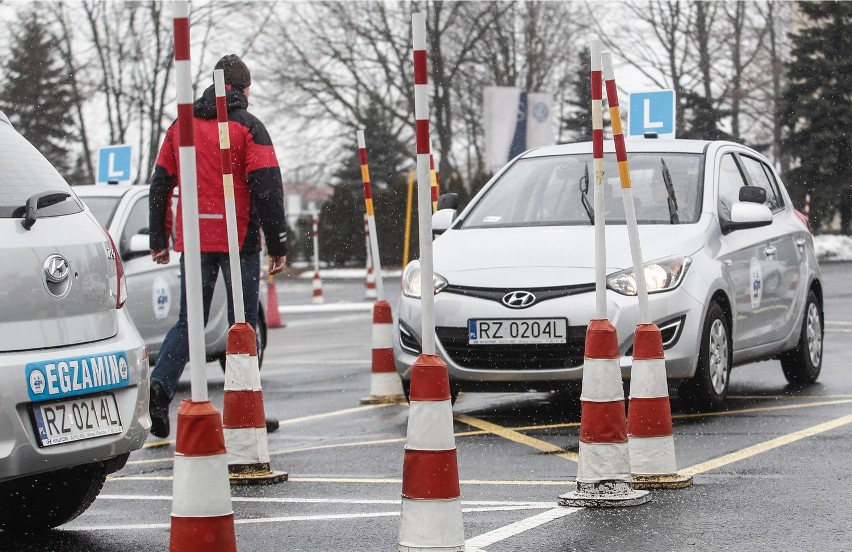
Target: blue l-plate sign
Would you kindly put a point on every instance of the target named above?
(114, 164)
(652, 111)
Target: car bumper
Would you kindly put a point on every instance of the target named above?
(20, 453)
(676, 312)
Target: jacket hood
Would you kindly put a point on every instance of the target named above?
(205, 106)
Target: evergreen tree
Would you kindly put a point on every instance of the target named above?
(578, 121)
(702, 119)
(818, 109)
(36, 92)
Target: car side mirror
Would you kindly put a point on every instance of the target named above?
(139, 243)
(448, 201)
(746, 215)
(753, 194)
(442, 220)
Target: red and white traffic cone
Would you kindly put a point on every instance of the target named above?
(603, 472)
(649, 418)
(431, 517)
(202, 517)
(273, 314)
(385, 383)
(244, 419)
(317, 289)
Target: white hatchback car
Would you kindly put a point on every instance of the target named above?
(730, 266)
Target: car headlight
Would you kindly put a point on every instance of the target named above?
(411, 280)
(664, 275)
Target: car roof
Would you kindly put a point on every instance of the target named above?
(634, 145)
(105, 190)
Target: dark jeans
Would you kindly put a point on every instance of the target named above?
(174, 354)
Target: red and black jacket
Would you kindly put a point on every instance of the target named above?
(258, 187)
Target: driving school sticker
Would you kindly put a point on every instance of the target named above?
(162, 298)
(756, 279)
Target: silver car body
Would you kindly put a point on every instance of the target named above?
(482, 261)
(59, 312)
(154, 302)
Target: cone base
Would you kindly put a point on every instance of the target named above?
(384, 399)
(404, 548)
(258, 478)
(604, 494)
(653, 482)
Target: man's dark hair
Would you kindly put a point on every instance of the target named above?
(236, 72)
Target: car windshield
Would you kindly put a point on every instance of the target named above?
(549, 191)
(25, 173)
(103, 207)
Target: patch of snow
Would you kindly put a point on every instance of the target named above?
(830, 247)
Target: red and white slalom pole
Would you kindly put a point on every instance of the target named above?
(433, 179)
(202, 517)
(603, 470)
(370, 279)
(431, 516)
(317, 281)
(808, 208)
(244, 421)
(652, 451)
(385, 383)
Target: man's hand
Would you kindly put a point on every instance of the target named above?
(160, 256)
(276, 264)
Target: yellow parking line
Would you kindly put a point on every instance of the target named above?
(781, 397)
(517, 437)
(393, 481)
(754, 450)
(760, 409)
(157, 444)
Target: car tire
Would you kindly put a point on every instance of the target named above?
(709, 387)
(803, 364)
(46, 500)
(261, 329)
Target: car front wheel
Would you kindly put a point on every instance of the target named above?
(803, 364)
(46, 500)
(708, 388)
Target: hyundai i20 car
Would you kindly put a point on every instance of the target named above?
(729, 263)
(73, 368)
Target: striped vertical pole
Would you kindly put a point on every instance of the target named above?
(431, 516)
(385, 383)
(598, 168)
(202, 517)
(408, 206)
(370, 278)
(317, 281)
(626, 189)
(433, 180)
(808, 208)
(243, 416)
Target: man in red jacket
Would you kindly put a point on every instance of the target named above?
(259, 204)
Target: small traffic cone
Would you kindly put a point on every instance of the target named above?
(431, 517)
(244, 419)
(202, 517)
(385, 383)
(603, 472)
(273, 315)
(649, 419)
(317, 286)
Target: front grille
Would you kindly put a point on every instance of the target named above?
(541, 293)
(513, 357)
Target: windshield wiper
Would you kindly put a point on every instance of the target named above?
(584, 197)
(672, 200)
(36, 202)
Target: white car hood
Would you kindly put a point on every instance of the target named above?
(550, 256)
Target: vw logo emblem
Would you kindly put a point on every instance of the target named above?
(56, 269)
(518, 299)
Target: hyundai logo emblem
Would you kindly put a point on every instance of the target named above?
(56, 269)
(518, 299)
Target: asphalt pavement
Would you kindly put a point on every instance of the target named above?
(771, 472)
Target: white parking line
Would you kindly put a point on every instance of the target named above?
(476, 544)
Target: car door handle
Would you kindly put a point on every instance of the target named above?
(770, 251)
(800, 243)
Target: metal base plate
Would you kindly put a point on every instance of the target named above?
(389, 399)
(259, 477)
(671, 481)
(604, 494)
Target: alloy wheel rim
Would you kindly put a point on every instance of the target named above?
(814, 335)
(718, 358)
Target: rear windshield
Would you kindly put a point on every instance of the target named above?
(24, 172)
(102, 207)
(559, 191)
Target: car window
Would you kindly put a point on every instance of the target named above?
(730, 182)
(757, 174)
(102, 207)
(559, 190)
(25, 172)
(137, 223)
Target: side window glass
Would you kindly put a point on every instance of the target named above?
(730, 182)
(758, 178)
(136, 221)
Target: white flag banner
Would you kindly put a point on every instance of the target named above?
(539, 120)
(500, 118)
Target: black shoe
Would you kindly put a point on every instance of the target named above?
(159, 409)
(271, 425)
